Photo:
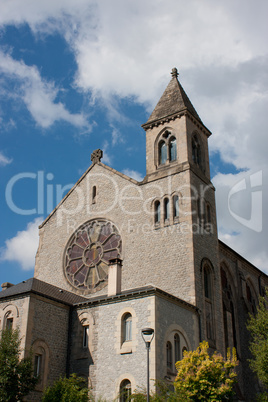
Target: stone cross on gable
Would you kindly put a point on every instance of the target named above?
(96, 156)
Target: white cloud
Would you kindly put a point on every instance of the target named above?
(133, 174)
(4, 160)
(107, 158)
(38, 95)
(22, 247)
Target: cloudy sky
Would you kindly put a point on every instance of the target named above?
(80, 75)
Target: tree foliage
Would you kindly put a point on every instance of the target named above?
(16, 375)
(72, 389)
(202, 377)
(258, 327)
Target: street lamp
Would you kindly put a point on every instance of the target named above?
(147, 335)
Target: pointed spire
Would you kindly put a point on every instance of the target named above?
(173, 100)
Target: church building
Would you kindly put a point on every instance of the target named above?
(117, 256)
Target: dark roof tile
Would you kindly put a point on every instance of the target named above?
(36, 286)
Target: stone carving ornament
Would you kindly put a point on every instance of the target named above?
(88, 253)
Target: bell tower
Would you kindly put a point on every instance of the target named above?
(177, 154)
(176, 137)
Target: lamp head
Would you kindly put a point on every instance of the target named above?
(147, 334)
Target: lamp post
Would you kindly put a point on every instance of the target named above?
(147, 335)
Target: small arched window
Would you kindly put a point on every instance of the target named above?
(125, 391)
(40, 363)
(162, 153)
(172, 149)
(177, 348)
(85, 335)
(9, 320)
(127, 327)
(94, 194)
(39, 358)
(9, 323)
(169, 355)
(157, 211)
(166, 208)
(175, 206)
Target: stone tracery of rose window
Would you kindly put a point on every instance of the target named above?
(88, 253)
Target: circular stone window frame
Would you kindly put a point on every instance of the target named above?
(88, 256)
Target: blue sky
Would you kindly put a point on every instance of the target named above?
(77, 76)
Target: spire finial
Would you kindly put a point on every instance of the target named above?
(174, 73)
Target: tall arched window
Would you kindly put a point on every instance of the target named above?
(125, 391)
(169, 355)
(127, 327)
(207, 282)
(157, 211)
(177, 347)
(175, 206)
(228, 311)
(172, 149)
(166, 208)
(196, 151)
(162, 152)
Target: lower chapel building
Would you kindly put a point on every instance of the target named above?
(117, 255)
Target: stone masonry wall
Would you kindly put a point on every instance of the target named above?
(106, 361)
(159, 256)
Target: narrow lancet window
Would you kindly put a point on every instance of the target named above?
(162, 153)
(157, 211)
(127, 327)
(177, 348)
(94, 194)
(175, 206)
(172, 149)
(169, 355)
(167, 208)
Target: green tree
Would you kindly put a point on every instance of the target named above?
(258, 327)
(16, 375)
(72, 389)
(202, 377)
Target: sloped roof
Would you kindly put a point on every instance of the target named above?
(173, 100)
(41, 288)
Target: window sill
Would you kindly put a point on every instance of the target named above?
(126, 348)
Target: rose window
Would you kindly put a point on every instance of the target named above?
(88, 253)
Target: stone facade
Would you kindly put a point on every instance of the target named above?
(157, 242)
